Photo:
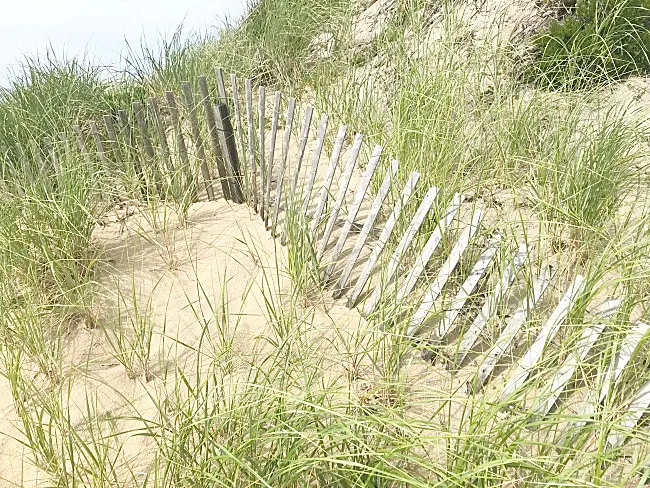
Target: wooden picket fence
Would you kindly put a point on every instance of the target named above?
(237, 157)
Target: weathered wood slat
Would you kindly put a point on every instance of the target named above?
(329, 179)
(340, 196)
(402, 247)
(429, 248)
(490, 307)
(240, 132)
(279, 188)
(198, 139)
(208, 109)
(386, 232)
(315, 159)
(512, 328)
(359, 195)
(180, 139)
(80, 144)
(375, 207)
(229, 150)
(635, 410)
(302, 146)
(445, 272)
(582, 348)
(546, 335)
(262, 149)
(99, 145)
(127, 135)
(221, 87)
(162, 136)
(112, 135)
(274, 134)
(252, 161)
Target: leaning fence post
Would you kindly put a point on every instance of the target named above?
(229, 150)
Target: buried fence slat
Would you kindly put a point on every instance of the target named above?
(180, 139)
(443, 275)
(391, 172)
(340, 197)
(112, 135)
(490, 307)
(635, 410)
(262, 150)
(401, 202)
(359, 195)
(329, 178)
(588, 338)
(302, 146)
(315, 159)
(252, 163)
(532, 356)
(274, 134)
(402, 247)
(512, 328)
(221, 87)
(196, 135)
(214, 137)
(240, 131)
(99, 145)
(162, 136)
(429, 248)
(229, 151)
(279, 187)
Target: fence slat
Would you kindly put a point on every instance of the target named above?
(162, 135)
(447, 268)
(635, 410)
(490, 307)
(180, 139)
(588, 338)
(391, 172)
(279, 187)
(340, 197)
(221, 87)
(125, 127)
(229, 150)
(80, 143)
(262, 149)
(402, 247)
(196, 135)
(302, 146)
(240, 132)
(112, 135)
(214, 137)
(359, 195)
(512, 328)
(315, 159)
(252, 181)
(532, 356)
(274, 133)
(363, 278)
(99, 145)
(329, 178)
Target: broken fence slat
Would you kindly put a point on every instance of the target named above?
(512, 328)
(274, 134)
(490, 306)
(302, 146)
(403, 245)
(635, 410)
(252, 161)
(344, 183)
(315, 160)
(279, 187)
(363, 278)
(445, 272)
(375, 207)
(359, 195)
(577, 356)
(532, 356)
(329, 178)
(214, 137)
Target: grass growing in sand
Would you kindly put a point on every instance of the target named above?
(152, 340)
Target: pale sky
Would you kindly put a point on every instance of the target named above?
(99, 27)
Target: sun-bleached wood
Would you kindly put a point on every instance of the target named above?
(635, 410)
(315, 159)
(271, 159)
(228, 146)
(214, 137)
(344, 182)
(386, 232)
(490, 307)
(252, 158)
(180, 138)
(329, 179)
(351, 218)
(402, 247)
(221, 87)
(302, 146)
(279, 187)
(513, 325)
(162, 135)
(546, 335)
(445, 272)
(375, 207)
(261, 138)
(239, 128)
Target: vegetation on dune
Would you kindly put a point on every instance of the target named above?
(314, 406)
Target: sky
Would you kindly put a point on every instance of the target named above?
(98, 27)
